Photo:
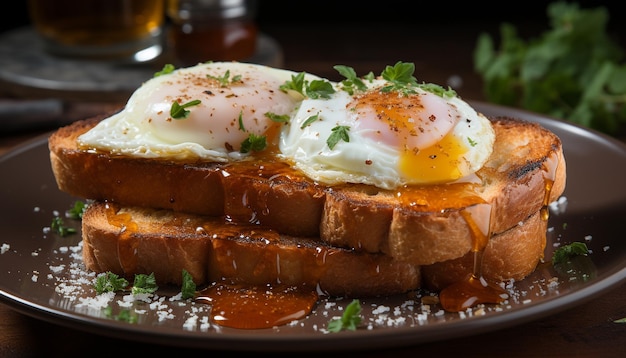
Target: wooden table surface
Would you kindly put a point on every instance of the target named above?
(587, 330)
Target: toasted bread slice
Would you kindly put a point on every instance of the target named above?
(430, 224)
(132, 240)
(421, 225)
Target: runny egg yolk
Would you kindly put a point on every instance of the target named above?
(419, 126)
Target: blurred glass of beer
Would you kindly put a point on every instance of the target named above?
(127, 30)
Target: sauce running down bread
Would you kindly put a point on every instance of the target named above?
(268, 298)
(474, 289)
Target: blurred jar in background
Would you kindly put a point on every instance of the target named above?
(212, 30)
(121, 30)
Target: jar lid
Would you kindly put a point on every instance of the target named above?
(212, 9)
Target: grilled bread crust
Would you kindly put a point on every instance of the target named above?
(135, 240)
(420, 225)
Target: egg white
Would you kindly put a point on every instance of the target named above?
(365, 160)
(145, 128)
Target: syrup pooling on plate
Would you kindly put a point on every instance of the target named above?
(258, 306)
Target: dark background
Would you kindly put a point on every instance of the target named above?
(395, 31)
(430, 16)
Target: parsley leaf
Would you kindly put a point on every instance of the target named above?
(144, 284)
(564, 253)
(240, 121)
(109, 282)
(178, 111)
(225, 80)
(315, 89)
(188, 288)
(281, 118)
(254, 143)
(296, 84)
(167, 69)
(338, 133)
(310, 120)
(76, 211)
(400, 76)
(58, 225)
(350, 319)
(352, 83)
(438, 90)
(319, 89)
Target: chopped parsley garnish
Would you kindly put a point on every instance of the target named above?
(438, 90)
(188, 287)
(315, 89)
(280, 118)
(225, 80)
(350, 319)
(319, 89)
(58, 225)
(352, 82)
(564, 253)
(400, 77)
(338, 133)
(144, 284)
(178, 111)
(310, 120)
(167, 69)
(110, 282)
(296, 84)
(76, 211)
(240, 122)
(254, 143)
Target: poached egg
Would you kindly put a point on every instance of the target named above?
(206, 111)
(386, 130)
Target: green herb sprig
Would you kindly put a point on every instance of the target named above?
(350, 319)
(179, 111)
(144, 284)
(564, 253)
(225, 79)
(167, 69)
(352, 83)
(77, 210)
(574, 70)
(58, 226)
(111, 282)
(337, 134)
(315, 89)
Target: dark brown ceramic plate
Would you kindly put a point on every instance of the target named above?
(37, 267)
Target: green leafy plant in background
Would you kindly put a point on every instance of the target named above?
(573, 71)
